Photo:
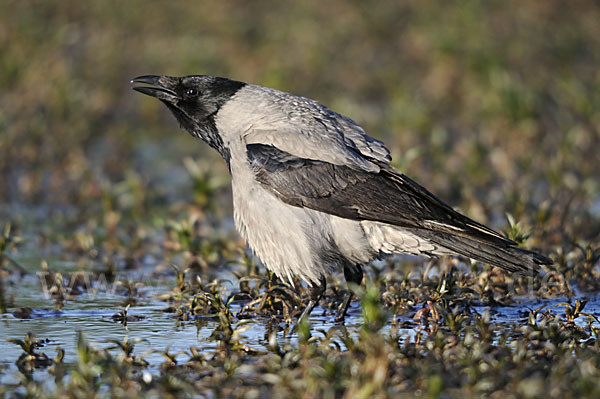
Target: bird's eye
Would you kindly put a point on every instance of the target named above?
(191, 92)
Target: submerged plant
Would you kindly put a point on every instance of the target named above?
(127, 346)
(31, 358)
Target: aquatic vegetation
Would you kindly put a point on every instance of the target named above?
(31, 359)
(117, 249)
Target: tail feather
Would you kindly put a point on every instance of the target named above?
(507, 257)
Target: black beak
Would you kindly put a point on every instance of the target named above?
(162, 87)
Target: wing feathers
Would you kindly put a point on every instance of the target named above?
(386, 197)
(509, 258)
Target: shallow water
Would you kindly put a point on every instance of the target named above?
(92, 311)
(92, 314)
(159, 330)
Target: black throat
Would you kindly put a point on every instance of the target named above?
(221, 90)
(211, 136)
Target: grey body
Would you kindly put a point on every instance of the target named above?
(294, 240)
(313, 193)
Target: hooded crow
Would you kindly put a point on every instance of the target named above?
(313, 193)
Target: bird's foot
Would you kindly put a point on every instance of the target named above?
(341, 315)
(353, 275)
(307, 310)
(315, 293)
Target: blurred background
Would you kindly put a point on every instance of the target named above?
(494, 106)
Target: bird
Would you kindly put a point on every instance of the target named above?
(313, 194)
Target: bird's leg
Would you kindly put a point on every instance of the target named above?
(315, 293)
(352, 275)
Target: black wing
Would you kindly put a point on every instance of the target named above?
(388, 197)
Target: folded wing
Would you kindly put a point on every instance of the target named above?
(386, 196)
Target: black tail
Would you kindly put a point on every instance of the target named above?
(507, 257)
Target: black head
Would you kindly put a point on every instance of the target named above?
(194, 100)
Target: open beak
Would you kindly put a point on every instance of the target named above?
(162, 87)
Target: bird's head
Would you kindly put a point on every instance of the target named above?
(194, 100)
